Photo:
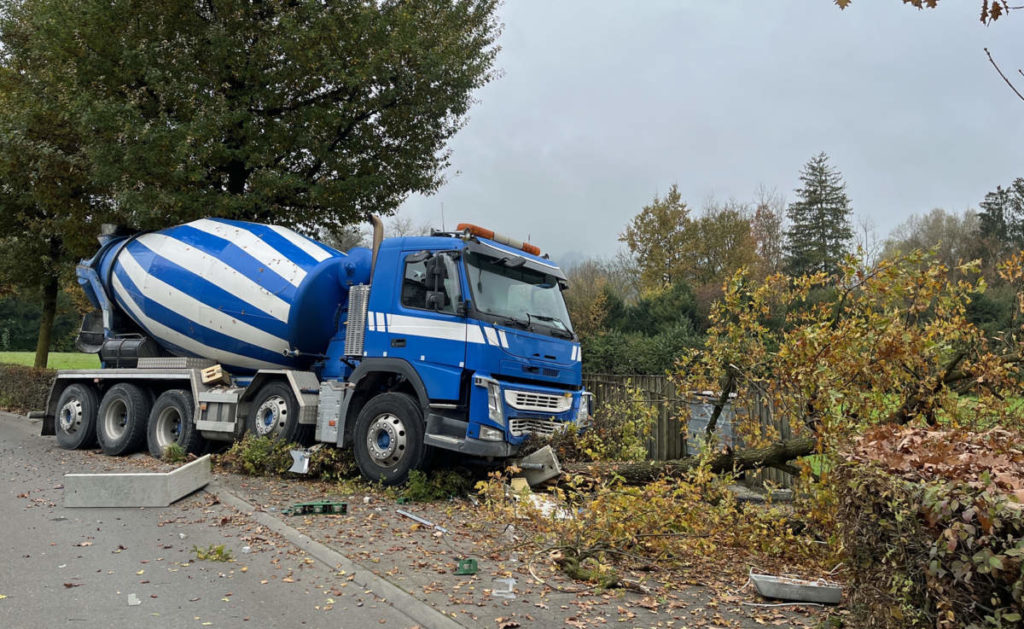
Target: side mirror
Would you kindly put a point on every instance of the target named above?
(435, 300)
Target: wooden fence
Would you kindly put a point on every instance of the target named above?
(668, 438)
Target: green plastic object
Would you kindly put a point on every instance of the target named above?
(318, 507)
(466, 566)
(403, 500)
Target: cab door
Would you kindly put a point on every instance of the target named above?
(426, 328)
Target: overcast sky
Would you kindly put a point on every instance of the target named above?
(602, 105)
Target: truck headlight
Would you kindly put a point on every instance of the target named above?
(491, 434)
(495, 411)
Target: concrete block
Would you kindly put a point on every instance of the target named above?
(136, 490)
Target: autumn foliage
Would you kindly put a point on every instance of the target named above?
(933, 527)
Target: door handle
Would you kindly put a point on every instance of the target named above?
(397, 342)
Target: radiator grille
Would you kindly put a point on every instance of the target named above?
(540, 402)
(544, 427)
(355, 330)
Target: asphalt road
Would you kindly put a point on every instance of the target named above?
(137, 567)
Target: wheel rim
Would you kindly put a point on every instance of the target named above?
(386, 440)
(271, 416)
(115, 419)
(71, 416)
(168, 427)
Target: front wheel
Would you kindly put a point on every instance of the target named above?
(388, 439)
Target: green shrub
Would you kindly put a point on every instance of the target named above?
(618, 432)
(174, 453)
(258, 456)
(263, 456)
(930, 554)
(24, 389)
(212, 553)
(435, 485)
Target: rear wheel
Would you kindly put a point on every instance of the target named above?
(170, 422)
(388, 439)
(75, 423)
(275, 414)
(123, 415)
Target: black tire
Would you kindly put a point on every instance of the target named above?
(275, 414)
(388, 439)
(75, 423)
(122, 419)
(170, 422)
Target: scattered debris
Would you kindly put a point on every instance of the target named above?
(504, 588)
(300, 459)
(466, 567)
(317, 507)
(540, 466)
(421, 520)
(791, 589)
(133, 600)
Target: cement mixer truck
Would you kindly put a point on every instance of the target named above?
(215, 329)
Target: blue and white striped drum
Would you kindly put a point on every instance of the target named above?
(246, 295)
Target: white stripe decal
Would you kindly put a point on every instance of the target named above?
(435, 329)
(209, 268)
(191, 308)
(492, 336)
(431, 328)
(573, 358)
(380, 322)
(311, 247)
(504, 339)
(579, 354)
(254, 246)
(371, 321)
(183, 341)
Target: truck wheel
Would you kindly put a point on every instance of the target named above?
(76, 417)
(388, 439)
(122, 419)
(170, 422)
(275, 414)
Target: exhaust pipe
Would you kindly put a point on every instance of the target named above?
(378, 236)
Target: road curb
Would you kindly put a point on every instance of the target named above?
(402, 600)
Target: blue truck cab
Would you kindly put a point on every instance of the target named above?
(486, 330)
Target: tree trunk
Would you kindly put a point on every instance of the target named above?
(46, 321)
(640, 472)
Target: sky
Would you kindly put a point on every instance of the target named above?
(602, 105)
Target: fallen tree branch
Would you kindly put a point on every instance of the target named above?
(638, 472)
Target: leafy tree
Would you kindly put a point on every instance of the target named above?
(721, 244)
(657, 239)
(1002, 216)
(766, 231)
(305, 113)
(953, 237)
(991, 10)
(820, 232)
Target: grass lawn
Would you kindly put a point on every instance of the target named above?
(57, 360)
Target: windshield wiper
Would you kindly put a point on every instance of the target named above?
(563, 332)
(517, 321)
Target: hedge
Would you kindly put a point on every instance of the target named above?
(933, 527)
(24, 389)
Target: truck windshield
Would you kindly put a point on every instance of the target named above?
(505, 289)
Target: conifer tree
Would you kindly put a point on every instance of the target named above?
(820, 231)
